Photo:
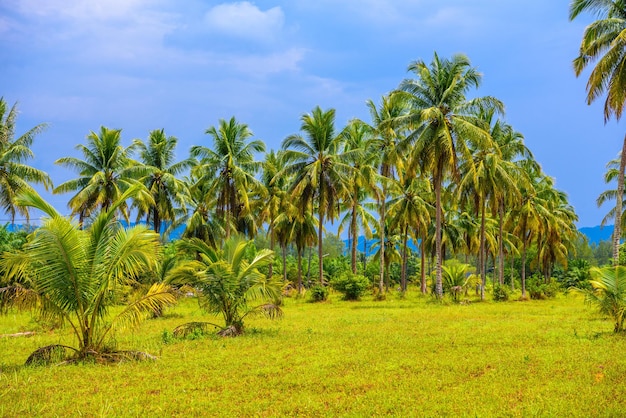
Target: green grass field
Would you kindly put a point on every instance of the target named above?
(409, 357)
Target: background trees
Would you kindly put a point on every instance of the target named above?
(440, 170)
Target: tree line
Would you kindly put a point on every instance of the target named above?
(431, 165)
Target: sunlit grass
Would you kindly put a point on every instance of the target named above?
(400, 357)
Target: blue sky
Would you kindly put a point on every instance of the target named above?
(141, 65)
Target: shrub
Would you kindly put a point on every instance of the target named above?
(500, 293)
(537, 289)
(351, 285)
(608, 293)
(318, 293)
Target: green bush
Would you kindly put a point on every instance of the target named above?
(351, 285)
(500, 293)
(318, 293)
(537, 289)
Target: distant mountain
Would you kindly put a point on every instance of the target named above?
(598, 233)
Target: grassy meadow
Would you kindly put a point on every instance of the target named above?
(398, 357)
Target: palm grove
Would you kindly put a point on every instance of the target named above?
(435, 165)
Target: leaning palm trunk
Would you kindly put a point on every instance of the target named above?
(617, 229)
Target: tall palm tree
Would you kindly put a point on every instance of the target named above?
(320, 169)
(230, 170)
(363, 184)
(604, 42)
(15, 174)
(444, 124)
(104, 174)
(168, 192)
(390, 145)
(78, 274)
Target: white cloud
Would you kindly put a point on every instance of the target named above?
(245, 20)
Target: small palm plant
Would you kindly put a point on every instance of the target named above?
(608, 293)
(76, 275)
(456, 278)
(230, 283)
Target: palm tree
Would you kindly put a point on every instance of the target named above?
(15, 175)
(319, 167)
(604, 42)
(78, 274)
(390, 145)
(444, 124)
(275, 197)
(199, 217)
(363, 184)
(230, 169)
(409, 211)
(106, 172)
(168, 192)
(230, 283)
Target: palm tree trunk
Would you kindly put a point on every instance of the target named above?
(617, 228)
(364, 255)
(501, 248)
(319, 247)
(308, 269)
(382, 241)
(270, 231)
(423, 267)
(354, 232)
(438, 282)
(300, 288)
(284, 251)
(524, 269)
(157, 221)
(482, 261)
(512, 273)
(404, 260)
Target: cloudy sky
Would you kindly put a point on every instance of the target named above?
(141, 65)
